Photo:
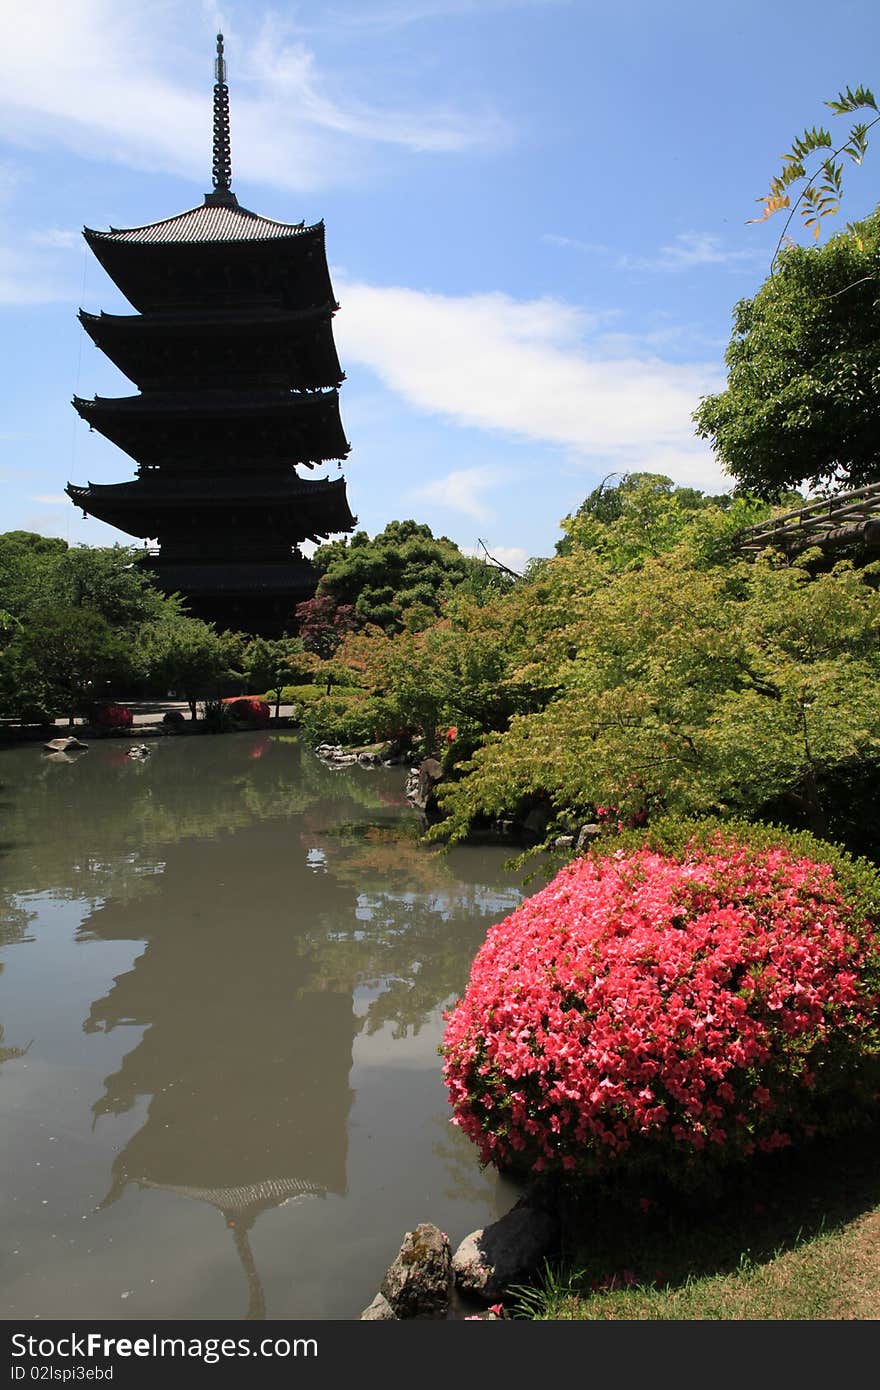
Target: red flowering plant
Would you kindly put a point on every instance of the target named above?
(665, 1006)
(248, 709)
(111, 717)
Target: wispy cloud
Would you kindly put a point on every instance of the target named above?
(462, 490)
(513, 556)
(52, 499)
(118, 82)
(65, 239)
(573, 243)
(536, 369)
(690, 249)
(687, 251)
(397, 14)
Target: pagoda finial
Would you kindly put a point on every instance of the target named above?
(222, 167)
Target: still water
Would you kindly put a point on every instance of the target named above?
(223, 976)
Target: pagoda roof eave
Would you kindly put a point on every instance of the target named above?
(204, 224)
(210, 403)
(157, 322)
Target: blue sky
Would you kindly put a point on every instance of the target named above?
(536, 223)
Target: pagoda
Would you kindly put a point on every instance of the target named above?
(231, 350)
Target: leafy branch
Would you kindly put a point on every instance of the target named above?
(823, 188)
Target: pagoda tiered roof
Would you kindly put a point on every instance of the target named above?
(145, 506)
(211, 220)
(158, 269)
(294, 348)
(223, 426)
(231, 349)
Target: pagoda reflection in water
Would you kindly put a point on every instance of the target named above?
(247, 1045)
(233, 356)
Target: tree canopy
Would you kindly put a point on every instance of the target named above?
(648, 668)
(802, 402)
(400, 577)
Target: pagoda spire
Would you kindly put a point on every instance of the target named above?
(222, 163)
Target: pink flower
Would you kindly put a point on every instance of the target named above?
(675, 1004)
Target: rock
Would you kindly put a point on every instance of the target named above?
(367, 758)
(419, 1282)
(138, 750)
(64, 745)
(489, 1261)
(586, 835)
(380, 1310)
(336, 755)
(422, 793)
(563, 842)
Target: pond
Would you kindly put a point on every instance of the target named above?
(224, 970)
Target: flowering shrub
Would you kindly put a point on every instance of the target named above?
(111, 717)
(249, 709)
(666, 1008)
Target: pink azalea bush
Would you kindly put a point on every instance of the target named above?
(111, 717)
(249, 709)
(654, 1007)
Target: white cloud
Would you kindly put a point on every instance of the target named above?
(513, 556)
(462, 490)
(686, 251)
(52, 499)
(691, 249)
(66, 240)
(537, 369)
(99, 78)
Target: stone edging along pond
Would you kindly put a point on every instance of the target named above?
(427, 1280)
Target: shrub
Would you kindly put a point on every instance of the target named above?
(672, 1008)
(111, 717)
(248, 709)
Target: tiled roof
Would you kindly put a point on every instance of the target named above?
(207, 223)
(211, 491)
(215, 402)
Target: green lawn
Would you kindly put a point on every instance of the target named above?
(797, 1237)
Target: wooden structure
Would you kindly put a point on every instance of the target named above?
(850, 517)
(232, 352)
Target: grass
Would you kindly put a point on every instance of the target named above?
(794, 1237)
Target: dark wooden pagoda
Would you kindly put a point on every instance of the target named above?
(232, 352)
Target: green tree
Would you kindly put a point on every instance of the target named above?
(270, 665)
(36, 571)
(693, 688)
(62, 658)
(802, 401)
(189, 655)
(641, 514)
(404, 570)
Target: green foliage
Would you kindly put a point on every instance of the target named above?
(269, 665)
(802, 401)
(401, 577)
(60, 659)
(643, 514)
(187, 654)
(411, 684)
(822, 189)
(692, 688)
(72, 617)
(38, 571)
